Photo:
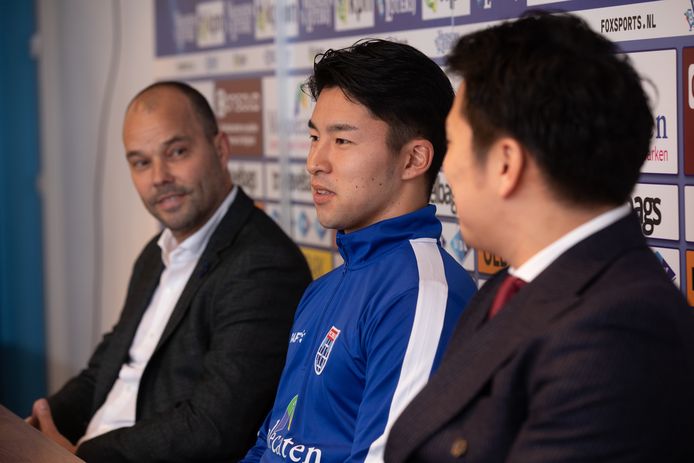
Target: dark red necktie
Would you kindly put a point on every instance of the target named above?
(508, 288)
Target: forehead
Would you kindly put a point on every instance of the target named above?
(333, 106)
(161, 110)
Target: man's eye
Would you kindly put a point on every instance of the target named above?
(341, 141)
(313, 138)
(139, 163)
(178, 152)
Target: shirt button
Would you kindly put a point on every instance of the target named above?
(459, 447)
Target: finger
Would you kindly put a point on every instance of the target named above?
(31, 421)
(42, 411)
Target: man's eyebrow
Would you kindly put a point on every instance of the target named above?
(338, 127)
(175, 139)
(166, 144)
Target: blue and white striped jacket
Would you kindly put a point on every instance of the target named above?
(366, 338)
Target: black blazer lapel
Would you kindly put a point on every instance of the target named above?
(479, 353)
(225, 234)
(144, 282)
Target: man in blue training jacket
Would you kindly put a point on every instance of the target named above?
(367, 336)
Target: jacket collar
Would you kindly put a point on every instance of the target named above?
(481, 347)
(360, 247)
(223, 236)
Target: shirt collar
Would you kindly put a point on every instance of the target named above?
(360, 247)
(541, 260)
(193, 246)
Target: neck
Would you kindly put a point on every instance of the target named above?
(539, 227)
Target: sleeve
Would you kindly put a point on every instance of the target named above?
(400, 346)
(251, 310)
(71, 406)
(604, 381)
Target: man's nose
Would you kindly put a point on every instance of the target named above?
(161, 173)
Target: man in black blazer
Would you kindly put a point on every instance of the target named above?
(592, 359)
(190, 369)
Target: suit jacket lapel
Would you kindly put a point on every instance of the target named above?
(225, 234)
(142, 287)
(143, 291)
(479, 348)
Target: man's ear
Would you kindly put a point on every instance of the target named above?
(509, 161)
(222, 146)
(419, 154)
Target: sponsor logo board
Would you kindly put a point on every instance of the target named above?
(298, 109)
(238, 107)
(209, 24)
(296, 181)
(489, 263)
(452, 241)
(319, 261)
(307, 230)
(249, 176)
(274, 211)
(389, 9)
(436, 9)
(660, 68)
(316, 14)
(442, 198)
(265, 22)
(670, 261)
(354, 14)
(658, 210)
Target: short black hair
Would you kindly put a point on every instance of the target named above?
(201, 107)
(567, 94)
(398, 84)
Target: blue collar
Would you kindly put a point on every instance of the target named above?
(360, 247)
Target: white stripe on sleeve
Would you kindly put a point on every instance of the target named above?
(424, 338)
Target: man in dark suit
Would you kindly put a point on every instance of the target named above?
(592, 358)
(190, 369)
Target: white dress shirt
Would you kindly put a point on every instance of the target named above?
(541, 260)
(179, 260)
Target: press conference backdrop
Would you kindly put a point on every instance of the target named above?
(249, 57)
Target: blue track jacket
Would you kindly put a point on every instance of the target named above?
(366, 338)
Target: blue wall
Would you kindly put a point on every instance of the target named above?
(22, 339)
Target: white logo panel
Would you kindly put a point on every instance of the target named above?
(249, 176)
(658, 209)
(354, 14)
(670, 260)
(659, 68)
(435, 9)
(442, 198)
(265, 18)
(209, 28)
(307, 230)
(298, 109)
(298, 182)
